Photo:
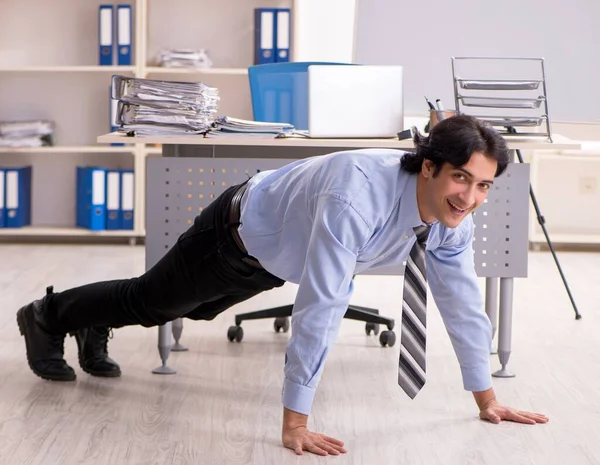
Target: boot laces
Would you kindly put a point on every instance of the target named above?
(56, 344)
(99, 339)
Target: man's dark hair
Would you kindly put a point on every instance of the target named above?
(453, 141)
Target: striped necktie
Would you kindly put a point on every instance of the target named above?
(411, 369)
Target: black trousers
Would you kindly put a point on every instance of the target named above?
(199, 277)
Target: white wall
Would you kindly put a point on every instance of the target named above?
(324, 30)
(422, 36)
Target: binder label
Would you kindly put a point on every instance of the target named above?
(266, 31)
(283, 30)
(105, 27)
(124, 27)
(112, 195)
(127, 189)
(1, 192)
(12, 189)
(98, 188)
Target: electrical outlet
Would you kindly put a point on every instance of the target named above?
(588, 185)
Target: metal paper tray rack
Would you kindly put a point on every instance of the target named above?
(508, 102)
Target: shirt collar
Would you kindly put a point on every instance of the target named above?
(409, 209)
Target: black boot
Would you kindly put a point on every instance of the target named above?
(93, 352)
(45, 350)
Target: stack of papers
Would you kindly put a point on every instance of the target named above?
(230, 127)
(184, 59)
(150, 107)
(34, 133)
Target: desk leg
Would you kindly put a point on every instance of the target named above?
(177, 324)
(165, 342)
(491, 306)
(164, 349)
(505, 327)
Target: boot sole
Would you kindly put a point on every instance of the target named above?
(101, 374)
(23, 330)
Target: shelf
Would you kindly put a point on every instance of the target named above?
(67, 69)
(199, 71)
(69, 149)
(502, 84)
(574, 238)
(58, 231)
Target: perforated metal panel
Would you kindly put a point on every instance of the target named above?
(179, 188)
(501, 226)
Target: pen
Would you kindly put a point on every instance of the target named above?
(440, 107)
(429, 103)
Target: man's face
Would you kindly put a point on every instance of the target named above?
(455, 192)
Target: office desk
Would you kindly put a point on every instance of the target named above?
(516, 142)
(501, 224)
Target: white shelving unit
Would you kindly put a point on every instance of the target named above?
(153, 70)
(67, 69)
(53, 74)
(573, 217)
(67, 149)
(60, 232)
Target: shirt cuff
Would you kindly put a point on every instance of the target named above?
(477, 378)
(296, 397)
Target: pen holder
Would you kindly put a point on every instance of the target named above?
(435, 116)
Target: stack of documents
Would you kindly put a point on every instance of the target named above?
(151, 107)
(36, 133)
(184, 59)
(230, 127)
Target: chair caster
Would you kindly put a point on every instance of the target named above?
(387, 338)
(282, 323)
(372, 327)
(235, 333)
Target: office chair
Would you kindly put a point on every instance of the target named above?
(279, 93)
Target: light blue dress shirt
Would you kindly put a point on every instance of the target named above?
(318, 221)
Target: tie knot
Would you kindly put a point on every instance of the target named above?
(422, 233)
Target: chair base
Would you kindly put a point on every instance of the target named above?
(282, 314)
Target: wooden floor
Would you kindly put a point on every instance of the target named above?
(223, 406)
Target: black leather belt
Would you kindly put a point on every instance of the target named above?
(234, 220)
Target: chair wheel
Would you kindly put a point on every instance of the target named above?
(372, 327)
(235, 333)
(387, 338)
(282, 323)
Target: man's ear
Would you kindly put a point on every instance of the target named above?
(427, 168)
